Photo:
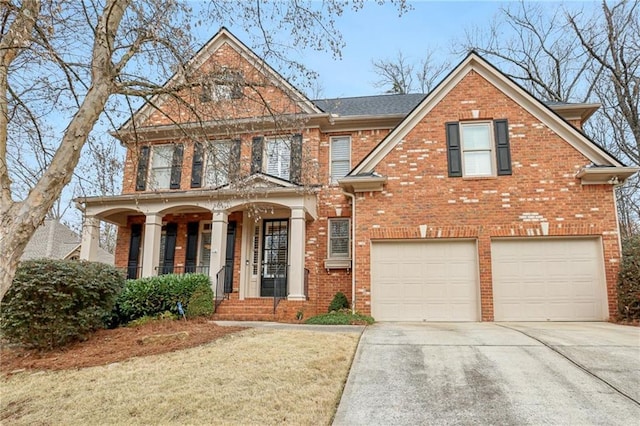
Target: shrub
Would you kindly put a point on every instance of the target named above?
(54, 302)
(200, 303)
(340, 318)
(339, 302)
(155, 295)
(629, 280)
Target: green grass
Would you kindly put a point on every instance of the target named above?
(340, 318)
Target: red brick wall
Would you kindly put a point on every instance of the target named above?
(543, 187)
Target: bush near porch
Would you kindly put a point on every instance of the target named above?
(55, 302)
(150, 297)
(629, 280)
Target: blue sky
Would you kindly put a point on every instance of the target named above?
(376, 32)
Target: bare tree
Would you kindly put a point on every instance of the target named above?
(396, 74)
(100, 173)
(64, 64)
(400, 76)
(569, 56)
(537, 49)
(613, 44)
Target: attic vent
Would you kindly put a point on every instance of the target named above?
(223, 84)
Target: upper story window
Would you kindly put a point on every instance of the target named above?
(218, 165)
(221, 85)
(340, 157)
(161, 162)
(279, 156)
(159, 167)
(339, 238)
(478, 149)
(215, 163)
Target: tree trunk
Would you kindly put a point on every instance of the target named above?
(19, 220)
(15, 234)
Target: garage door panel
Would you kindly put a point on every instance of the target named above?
(548, 279)
(431, 281)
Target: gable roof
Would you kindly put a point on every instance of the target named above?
(224, 36)
(53, 240)
(474, 62)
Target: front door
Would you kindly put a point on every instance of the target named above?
(275, 242)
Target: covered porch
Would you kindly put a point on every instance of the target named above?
(251, 246)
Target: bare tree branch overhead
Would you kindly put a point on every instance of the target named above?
(66, 65)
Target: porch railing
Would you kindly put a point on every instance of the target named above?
(280, 285)
(220, 295)
(189, 269)
(134, 271)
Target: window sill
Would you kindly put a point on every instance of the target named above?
(337, 264)
(479, 177)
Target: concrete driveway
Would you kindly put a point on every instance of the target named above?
(494, 373)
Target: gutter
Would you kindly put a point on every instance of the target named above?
(353, 250)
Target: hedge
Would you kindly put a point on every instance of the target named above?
(629, 280)
(54, 302)
(155, 295)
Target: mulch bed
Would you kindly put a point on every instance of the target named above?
(109, 346)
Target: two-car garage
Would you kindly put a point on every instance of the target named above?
(535, 279)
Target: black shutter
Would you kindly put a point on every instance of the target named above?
(192, 247)
(143, 164)
(295, 174)
(134, 251)
(169, 248)
(229, 257)
(234, 166)
(176, 166)
(196, 168)
(503, 150)
(454, 153)
(256, 154)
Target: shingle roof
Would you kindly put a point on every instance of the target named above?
(381, 104)
(53, 240)
(371, 105)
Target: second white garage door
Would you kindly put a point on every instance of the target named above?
(548, 280)
(424, 281)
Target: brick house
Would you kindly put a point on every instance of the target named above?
(473, 202)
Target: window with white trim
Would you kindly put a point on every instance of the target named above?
(218, 163)
(161, 162)
(277, 157)
(340, 157)
(477, 149)
(339, 238)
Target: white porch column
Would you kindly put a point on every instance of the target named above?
(151, 248)
(219, 224)
(296, 255)
(90, 238)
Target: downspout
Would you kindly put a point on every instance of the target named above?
(353, 250)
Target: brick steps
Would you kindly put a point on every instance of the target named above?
(257, 309)
(245, 310)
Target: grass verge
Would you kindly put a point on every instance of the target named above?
(340, 318)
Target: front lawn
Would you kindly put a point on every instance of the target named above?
(256, 376)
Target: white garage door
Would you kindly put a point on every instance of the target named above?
(548, 280)
(424, 281)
